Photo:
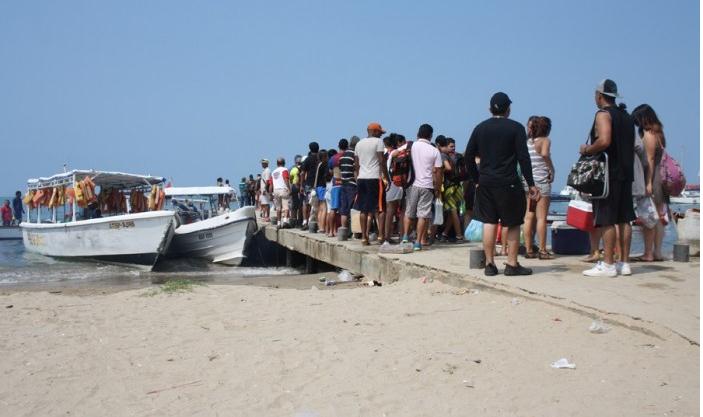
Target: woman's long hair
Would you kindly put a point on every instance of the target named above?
(530, 130)
(538, 127)
(646, 120)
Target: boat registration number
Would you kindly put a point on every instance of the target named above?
(35, 239)
(122, 225)
(203, 236)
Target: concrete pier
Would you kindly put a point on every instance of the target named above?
(660, 298)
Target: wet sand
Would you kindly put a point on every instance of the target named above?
(111, 286)
(404, 349)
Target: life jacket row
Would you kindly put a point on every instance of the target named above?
(110, 200)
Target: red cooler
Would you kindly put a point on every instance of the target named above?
(580, 215)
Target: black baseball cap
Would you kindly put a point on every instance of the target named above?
(500, 102)
(608, 87)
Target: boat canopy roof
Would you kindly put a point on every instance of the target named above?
(102, 178)
(188, 191)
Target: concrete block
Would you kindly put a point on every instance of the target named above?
(681, 252)
(477, 258)
(312, 227)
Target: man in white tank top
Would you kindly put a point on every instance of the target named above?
(281, 191)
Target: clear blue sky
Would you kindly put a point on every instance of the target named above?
(195, 90)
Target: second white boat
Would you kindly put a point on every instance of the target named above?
(219, 238)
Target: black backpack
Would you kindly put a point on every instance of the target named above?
(402, 173)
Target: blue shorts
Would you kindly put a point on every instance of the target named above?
(320, 191)
(336, 198)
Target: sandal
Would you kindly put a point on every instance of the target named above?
(365, 242)
(640, 259)
(531, 255)
(545, 255)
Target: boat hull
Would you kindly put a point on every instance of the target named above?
(685, 200)
(10, 233)
(137, 239)
(221, 239)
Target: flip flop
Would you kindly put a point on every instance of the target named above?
(640, 259)
(545, 256)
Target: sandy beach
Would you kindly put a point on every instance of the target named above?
(404, 349)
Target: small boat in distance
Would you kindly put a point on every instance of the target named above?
(10, 233)
(98, 215)
(206, 229)
(690, 195)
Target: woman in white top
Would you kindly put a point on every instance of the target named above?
(538, 145)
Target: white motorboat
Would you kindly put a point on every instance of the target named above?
(691, 195)
(10, 233)
(568, 191)
(98, 231)
(212, 232)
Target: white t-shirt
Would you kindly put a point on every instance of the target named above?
(280, 175)
(425, 158)
(366, 151)
(265, 175)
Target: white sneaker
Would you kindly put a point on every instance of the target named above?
(601, 269)
(623, 268)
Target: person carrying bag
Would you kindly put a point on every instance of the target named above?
(589, 175)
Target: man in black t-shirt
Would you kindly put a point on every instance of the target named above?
(501, 144)
(307, 179)
(613, 133)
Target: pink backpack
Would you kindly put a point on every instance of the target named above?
(673, 180)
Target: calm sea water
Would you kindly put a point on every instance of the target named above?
(18, 266)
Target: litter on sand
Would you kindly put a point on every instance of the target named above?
(598, 327)
(563, 363)
(345, 276)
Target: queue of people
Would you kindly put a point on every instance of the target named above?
(503, 179)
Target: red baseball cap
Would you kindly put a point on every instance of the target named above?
(375, 126)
